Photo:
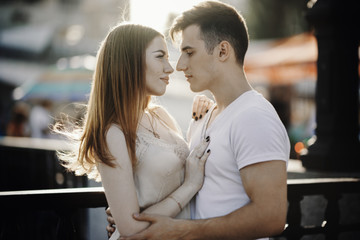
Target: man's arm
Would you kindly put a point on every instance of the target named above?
(264, 216)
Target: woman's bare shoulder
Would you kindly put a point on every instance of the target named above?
(114, 133)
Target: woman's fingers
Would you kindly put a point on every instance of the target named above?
(195, 107)
(201, 105)
(202, 108)
(205, 156)
(195, 164)
(199, 150)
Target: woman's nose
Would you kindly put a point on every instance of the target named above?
(168, 68)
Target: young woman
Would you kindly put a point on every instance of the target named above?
(133, 146)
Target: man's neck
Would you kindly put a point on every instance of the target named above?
(228, 88)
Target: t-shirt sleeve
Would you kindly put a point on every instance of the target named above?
(258, 136)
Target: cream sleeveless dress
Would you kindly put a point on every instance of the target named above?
(160, 169)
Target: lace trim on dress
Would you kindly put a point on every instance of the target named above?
(145, 139)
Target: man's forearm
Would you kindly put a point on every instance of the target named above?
(247, 222)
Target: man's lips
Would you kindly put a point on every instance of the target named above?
(188, 76)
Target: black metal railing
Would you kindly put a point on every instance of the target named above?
(66, 202)
(333, 190)
(30, 163)
(48, 213)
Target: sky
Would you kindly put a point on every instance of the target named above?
(155, 13)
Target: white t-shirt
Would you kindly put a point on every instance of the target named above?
(247, 131)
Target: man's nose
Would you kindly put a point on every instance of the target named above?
(181, 66)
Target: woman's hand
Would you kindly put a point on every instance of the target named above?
(201, 105)
(195, 165)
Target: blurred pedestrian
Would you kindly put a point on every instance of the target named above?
(40, 119)
(18, 125)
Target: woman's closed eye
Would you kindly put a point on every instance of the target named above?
(162, 56)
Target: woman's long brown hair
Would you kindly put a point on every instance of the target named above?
(117, 97)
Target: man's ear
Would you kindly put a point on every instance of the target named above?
(224, 50)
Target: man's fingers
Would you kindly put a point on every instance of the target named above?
(110, 229)
(107, 210)
(145, 217)
(138, 236)
(152, 218)
(110, 220)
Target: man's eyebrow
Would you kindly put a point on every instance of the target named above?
(186, 48)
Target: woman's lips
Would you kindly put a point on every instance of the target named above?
(165, 79)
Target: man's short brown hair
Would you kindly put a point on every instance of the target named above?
(217, 22)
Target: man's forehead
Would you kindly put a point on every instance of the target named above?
(190, 36)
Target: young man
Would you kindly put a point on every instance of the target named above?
(244, 192)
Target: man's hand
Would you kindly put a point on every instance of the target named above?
(161, 228)
(110, 228)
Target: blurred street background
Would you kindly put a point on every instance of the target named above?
(47, 57)
(48, 50)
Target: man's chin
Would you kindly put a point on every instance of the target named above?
(195, 89)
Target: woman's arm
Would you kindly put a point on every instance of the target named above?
(264, 215)
(120, 188)
(194, 177)
(119, 184)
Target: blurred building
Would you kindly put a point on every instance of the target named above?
(48, 48)
(286, 69)
(47, 52)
